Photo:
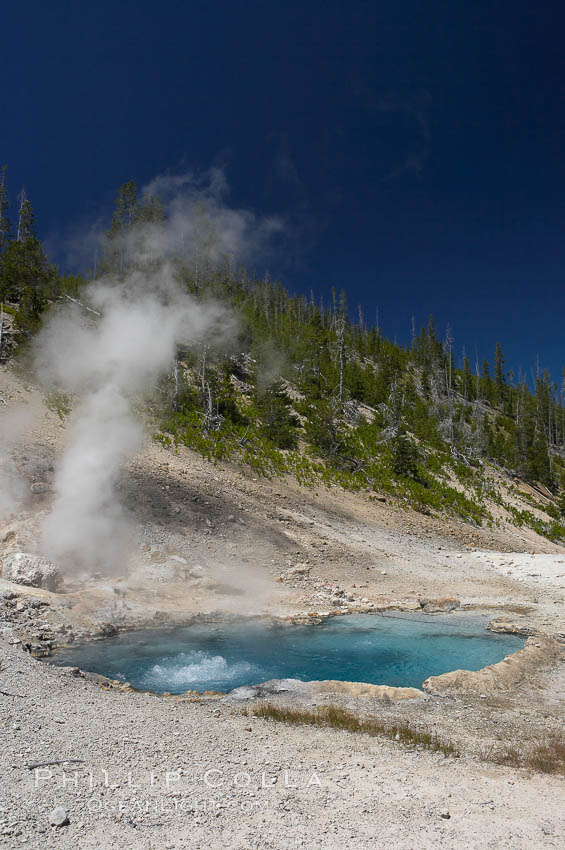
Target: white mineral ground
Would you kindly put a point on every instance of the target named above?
(215, 539)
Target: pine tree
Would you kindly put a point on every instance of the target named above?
(117, 259)
(26, 219)
(467, 380)
(150, 211)
(278, 423)
(486, 382)
(4, 206)
(539, 465)
(404, 456)
(26, 276)
(499, 377)
(126, 245)
(126, 209)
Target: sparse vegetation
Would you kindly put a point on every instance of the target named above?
(544, 754)
(58, 402)
(335, 717)
(554, 531)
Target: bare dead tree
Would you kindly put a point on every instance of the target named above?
(361, 318)
(211, 418)
(341, 339)
(203, 370)
(23, 199)
(4, 224)
(478, 376)
(84, 306)
(448, 381)
(175, 402)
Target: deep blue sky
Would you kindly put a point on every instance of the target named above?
(416, 148)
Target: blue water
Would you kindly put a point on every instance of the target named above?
(399, 650)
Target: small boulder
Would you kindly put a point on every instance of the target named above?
(440, 606)
(39, 488)
(58, 817)
(299, 571)
(107, 630)
(9, 536)
(31, 571)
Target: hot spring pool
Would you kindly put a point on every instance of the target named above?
(399, 650)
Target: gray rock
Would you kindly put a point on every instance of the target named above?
(97, 678)
(39, 488)
(265, 689)
(107, 630)
(58, 817)
(438, 606)
(31, 571)
(299, 571)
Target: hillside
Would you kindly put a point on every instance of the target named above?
(291, 386)
(327, 401)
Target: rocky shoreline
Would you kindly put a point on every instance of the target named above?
(40, 626)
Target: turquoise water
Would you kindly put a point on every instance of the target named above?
(399, 650)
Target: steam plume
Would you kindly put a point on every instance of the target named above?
(106, 362)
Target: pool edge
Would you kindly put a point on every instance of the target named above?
(540, 652)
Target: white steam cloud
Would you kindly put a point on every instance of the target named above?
(198, 219)
(106, 362)
(200, 226)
